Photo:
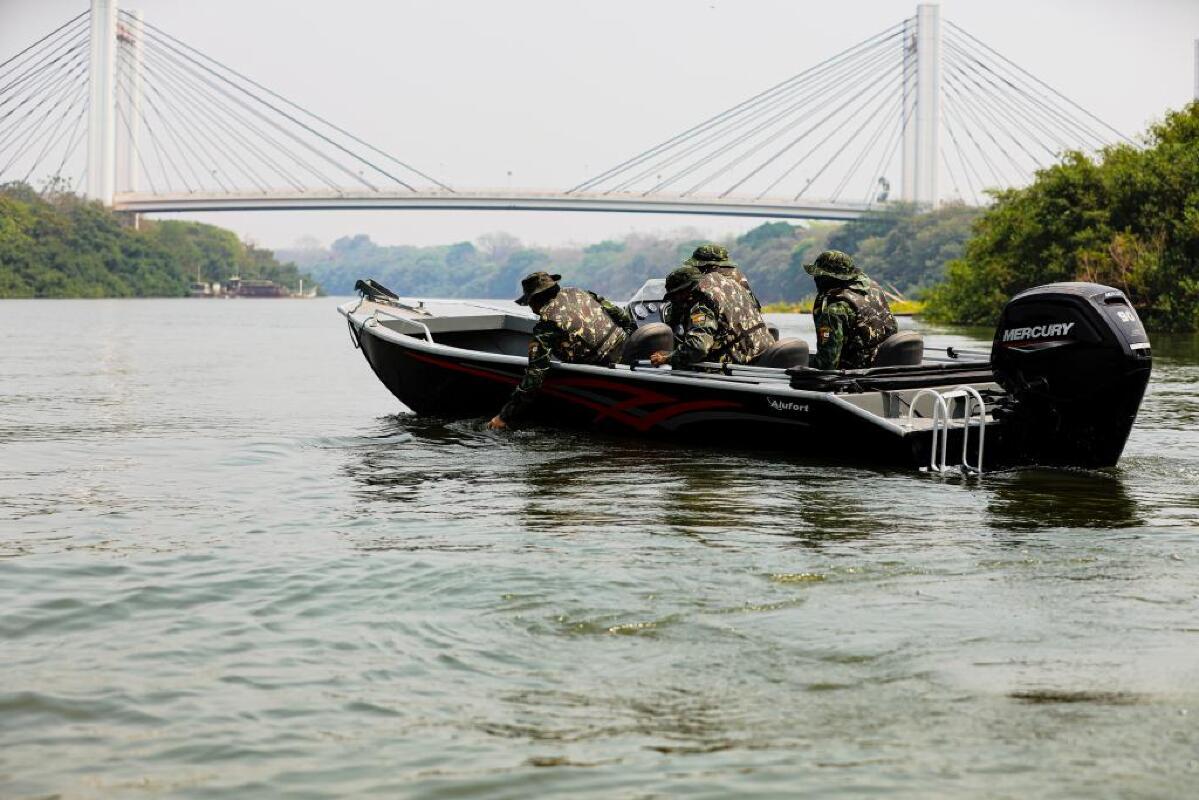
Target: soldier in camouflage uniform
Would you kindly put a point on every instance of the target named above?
(721, 321)
(715, 258)
(851, 314)
(576, 326)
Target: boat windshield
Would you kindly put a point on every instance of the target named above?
(653, 289)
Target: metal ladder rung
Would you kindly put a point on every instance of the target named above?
(941, 425)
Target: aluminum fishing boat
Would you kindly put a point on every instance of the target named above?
(1061, 385)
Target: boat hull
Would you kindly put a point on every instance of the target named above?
(643, 402)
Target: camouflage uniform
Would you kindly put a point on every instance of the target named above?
(722, 322)
(577, 327)
(715, 258)
(852, 318)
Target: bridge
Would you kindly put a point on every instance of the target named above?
(113, 106)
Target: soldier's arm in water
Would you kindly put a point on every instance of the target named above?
(545, 336)
(616, 313)
(831, 325)
(699, 338)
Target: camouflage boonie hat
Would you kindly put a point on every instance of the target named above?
(682, 278)
(709, 255)
(535, 283)
(833, 264)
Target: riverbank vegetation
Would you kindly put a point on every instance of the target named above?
(907, 308)
(1128, 219)
(55, 244)
(904, 250)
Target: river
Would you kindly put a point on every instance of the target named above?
(231, 566)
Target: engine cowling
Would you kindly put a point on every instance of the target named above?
(1074, 359)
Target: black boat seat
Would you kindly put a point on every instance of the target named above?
(785, 354)
(646, 340)
(903, 349)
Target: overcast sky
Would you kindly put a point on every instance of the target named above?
(554, 91)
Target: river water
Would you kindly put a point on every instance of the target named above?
(231, 566)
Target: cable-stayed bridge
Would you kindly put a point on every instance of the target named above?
(113, 106)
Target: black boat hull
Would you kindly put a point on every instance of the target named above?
(462, 384)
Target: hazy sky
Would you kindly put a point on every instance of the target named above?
(555, 91)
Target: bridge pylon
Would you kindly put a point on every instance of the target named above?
(102, 95)
(921, 109)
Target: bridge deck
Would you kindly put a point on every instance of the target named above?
(492, 201)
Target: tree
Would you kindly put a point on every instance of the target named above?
(1129, 219)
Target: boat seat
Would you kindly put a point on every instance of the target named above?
(903, 349)
(774, 330)
(646, 340)
(784, 354)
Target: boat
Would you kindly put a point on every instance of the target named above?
(1060, 386)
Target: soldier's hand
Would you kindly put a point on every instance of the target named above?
(497, 424)
(659, 358)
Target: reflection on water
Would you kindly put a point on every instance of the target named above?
(260, 572)
(1039, 498)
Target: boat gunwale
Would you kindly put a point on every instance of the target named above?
(781, 389)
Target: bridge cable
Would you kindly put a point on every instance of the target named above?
(981, 115)
(892, 146)
(961, 157)
(37, 86)
(966, 122)
(951, 113)
(836, 130)
(73, 142)
(826, 82)
(835, 80)
(839, 82)
(887, 122)
(831, 78)
(172, 136)
(844, 145)
(202, 93)
(123, 113)
(949, 170)
(272, 123)
(320, 119)
(189, 137)
(723, 115)
(283, 113)
(795, 141)
(67, 40)
(962, 61)
(55, 89)
(73, 20)
(201, 125)
(887, 114)
(126, 75)
(357, 177)
(65, 88)
(58, 129)
(1035, 79)
(1038, 108)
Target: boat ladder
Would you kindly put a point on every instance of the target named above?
(942, 422)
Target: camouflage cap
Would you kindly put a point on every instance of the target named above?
(709, 256)
(833, 264)
(682, 278)
(535, 283)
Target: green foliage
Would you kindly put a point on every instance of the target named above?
(1130, 220)
(904, 249)
(59, 245)
(494, 265)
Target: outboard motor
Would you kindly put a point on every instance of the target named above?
(1074, 359)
